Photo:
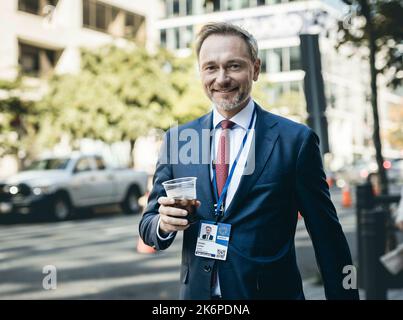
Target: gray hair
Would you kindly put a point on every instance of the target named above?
(225, 28)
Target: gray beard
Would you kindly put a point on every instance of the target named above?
(229, 105)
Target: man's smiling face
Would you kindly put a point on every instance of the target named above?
(227, 71)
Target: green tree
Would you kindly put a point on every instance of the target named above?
(18, 121)
(382, 33)
(120, 94)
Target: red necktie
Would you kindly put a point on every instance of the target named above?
(223, 154)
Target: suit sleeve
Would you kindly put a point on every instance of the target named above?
(149, 221)
(314, 203)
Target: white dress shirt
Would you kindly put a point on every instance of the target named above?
(242, 120)
(236, 135)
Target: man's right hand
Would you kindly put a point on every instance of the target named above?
(172, 219)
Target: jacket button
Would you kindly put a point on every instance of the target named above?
(207, 268)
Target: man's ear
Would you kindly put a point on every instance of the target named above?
(256, 69)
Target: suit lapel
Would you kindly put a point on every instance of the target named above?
(266, 134)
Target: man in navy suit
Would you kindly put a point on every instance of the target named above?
(261, 169)
(208, 235)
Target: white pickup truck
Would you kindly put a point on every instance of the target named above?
(57, 186)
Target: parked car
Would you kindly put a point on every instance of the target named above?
(355, 173)
(362, 171)
(59, 185)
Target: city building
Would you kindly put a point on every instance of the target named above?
(40, 37)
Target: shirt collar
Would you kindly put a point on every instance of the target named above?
(242, 118)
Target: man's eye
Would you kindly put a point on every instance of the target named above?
(210, 68)
(234, 66)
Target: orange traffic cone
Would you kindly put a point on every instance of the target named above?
(143, 248)
(346, 197)
(329, 181)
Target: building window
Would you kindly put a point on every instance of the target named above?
(263, 59)
(163, 38)
(295, 58)
(275, 60)
(86, 13)
(35, 6)
(100, 17)
(29, 59)
(177, 38)
(188, 36)
(176, 8)
(189, 7)
(37, 61)
(280, 59)
(211, 5)
(111, 20)
(30, 6)
(133, 22)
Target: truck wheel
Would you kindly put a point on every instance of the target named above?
(62, 209)
(131, 204)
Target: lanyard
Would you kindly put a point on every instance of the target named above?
(220, 200)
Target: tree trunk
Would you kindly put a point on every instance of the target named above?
(132, 158)
(374, 96)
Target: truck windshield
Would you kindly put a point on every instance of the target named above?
(48, 164)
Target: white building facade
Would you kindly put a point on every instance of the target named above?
(39, 37)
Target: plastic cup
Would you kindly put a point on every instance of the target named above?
(181, 188)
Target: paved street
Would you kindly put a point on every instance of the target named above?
(96, 258)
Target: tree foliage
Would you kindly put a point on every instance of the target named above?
(120, 94)
(19, 122)
(387, 30)
(380, 30)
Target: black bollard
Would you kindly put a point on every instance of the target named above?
(373, 241)
(365, 201)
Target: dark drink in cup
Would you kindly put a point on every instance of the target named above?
(190, 206)
(183, 190)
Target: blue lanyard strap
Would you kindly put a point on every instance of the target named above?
(220, 200)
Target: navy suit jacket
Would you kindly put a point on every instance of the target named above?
(210, 237)
(261, 263)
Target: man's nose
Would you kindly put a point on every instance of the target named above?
(222, 77)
